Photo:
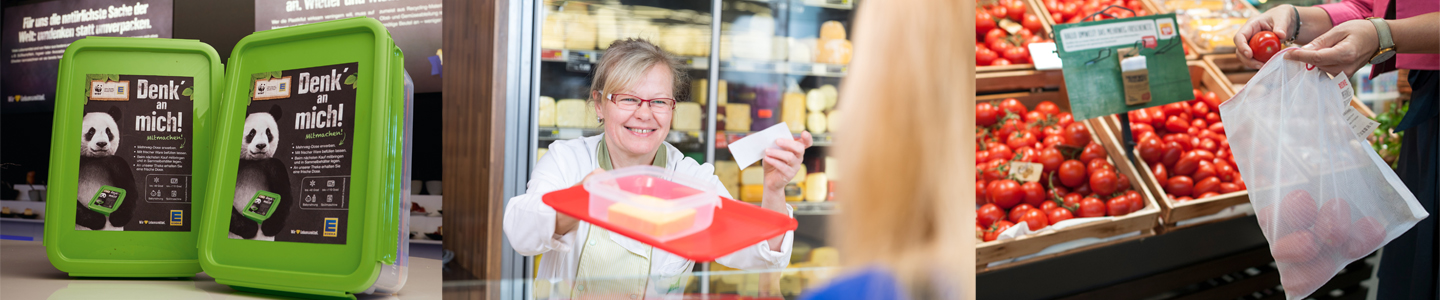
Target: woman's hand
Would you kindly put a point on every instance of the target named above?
(782, 164)
(565, 223)
(1345, 48)
(1280, 20)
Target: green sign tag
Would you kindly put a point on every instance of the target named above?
(1090, 61)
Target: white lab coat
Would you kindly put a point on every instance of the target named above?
(530, 224)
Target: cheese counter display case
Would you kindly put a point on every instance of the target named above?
(750, 65)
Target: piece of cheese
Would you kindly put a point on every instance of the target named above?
(607, 26)
(815, 100)
(729, 173)
(799, 175)
(686, 117)
(755, 174)
(816, 187)
(800, 50)
(831, 167)
(816, 122)
(792, 112)
(699, 91)
(580, 32)
(650, 222)
(591, 121)
(553, 34)
(572, 113)
(752, 192)
(832, 96)
(833, 51)
(832, 120)
(832, 30)
(737, 117)
(794, 192)
(825, 257)
(547, 112)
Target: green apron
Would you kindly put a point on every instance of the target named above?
(606, 268)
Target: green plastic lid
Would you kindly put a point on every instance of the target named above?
(140, 107)
(313, 116)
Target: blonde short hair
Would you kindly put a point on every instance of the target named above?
(625, 63)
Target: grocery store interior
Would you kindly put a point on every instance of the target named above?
(1151, 195)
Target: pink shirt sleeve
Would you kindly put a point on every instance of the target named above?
(1348, 10)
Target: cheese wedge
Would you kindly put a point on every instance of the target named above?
(651, 222)
(547, 112)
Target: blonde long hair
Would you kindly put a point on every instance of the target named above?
(907, 150)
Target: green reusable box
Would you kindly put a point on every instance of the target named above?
(141, 108)
(314, 117)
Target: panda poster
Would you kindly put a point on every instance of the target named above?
(135, 159)
(293, 180)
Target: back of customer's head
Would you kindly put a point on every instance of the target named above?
(909, 114)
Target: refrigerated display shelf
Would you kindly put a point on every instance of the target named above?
(593, 56)
(847, 5)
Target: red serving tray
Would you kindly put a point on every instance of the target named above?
(736, 225)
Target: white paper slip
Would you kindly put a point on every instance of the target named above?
(1044, 57)
(1363, 126)
(750, 149)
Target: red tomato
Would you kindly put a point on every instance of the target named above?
(1175, 124)
(1218, 127)
(1019, 211)
(1212, 118)
(1048, 108)
(1034, 193)
(1033, 117)
(1020, 139)
(1065, 118)
(1136, 129)
(1084, 188)
(1199, 108)
(989, 213)
(1019, 55)
(1139, 116)
(1103, 182)
(1226, 172)
(1203, 170)
(1161, 175)
(1095, 165)
(996, 229)
(1036, 219)
(1198, 123)
(1226, 188)
(1207, 195)
(1204, 155)
(1296, 247)
(1150, 149)
(1016, 10)
(1077, 135)
(984, 22)
(1052, 140)
(1240, 182)
(1117, 206)
(1092, 151)
(1091, 207)
(1179, 185)
(1047, 205)
(1182, 199)
(1005, 193)
(1173, 109)
(1206, 185)
(1297, 212)
(1208, 144)
(1052, 130)
(1025, 154)
(1051, 158)
(1136, 201)
(1213, 101)
(1000, 11)
(1057, 214)
(1264, 45)
(1030, 22)
(979, 232)
(1187, 164)
(1071, 201)
(986, 114)
(1334, 222)
(1024, 34)
(984, 56)
(1001, 151)
(1009, 126)
(993, 170)
(1365, 236)
(1013, 105)
(1122, 182)
(1072, 173)
(1146, 135)
(981, 198)
(1173, 152)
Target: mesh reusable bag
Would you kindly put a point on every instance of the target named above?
(1323, 197)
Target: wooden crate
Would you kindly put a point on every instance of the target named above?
(1044, 31)
(1238, 74)
(1019, 81)
(1204, 78)
(1143, 220)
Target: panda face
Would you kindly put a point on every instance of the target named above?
(99, 135)
(261, 137)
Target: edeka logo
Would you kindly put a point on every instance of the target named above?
(332, 227)
(177, 217)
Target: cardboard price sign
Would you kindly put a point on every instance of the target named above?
(1090, 59)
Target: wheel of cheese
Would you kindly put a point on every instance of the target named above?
(737, 117)
(834, 51)
(815, 100)
(754, 174)
(547, 112)
(832, 96)
(816, 122)
(572, 113)
(816, 187)
(832, 30)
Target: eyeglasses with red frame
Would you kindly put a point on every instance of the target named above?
(631, 102)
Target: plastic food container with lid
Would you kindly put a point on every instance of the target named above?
(309, 192)
(129, 155)
(652, 201)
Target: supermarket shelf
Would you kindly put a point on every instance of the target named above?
(593, 56)
(430, 242)
(814, 208)
(20, 220)
(787, 68)
(561, 133)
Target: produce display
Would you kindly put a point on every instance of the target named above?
(1004, 31)
(1076, 180)
(1184, 145)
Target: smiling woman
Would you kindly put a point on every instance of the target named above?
(633, 95)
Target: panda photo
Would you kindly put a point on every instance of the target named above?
(259, 170)
(99, 140)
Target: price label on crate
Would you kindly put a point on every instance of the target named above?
(1026, 172)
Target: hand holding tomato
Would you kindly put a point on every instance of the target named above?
(1264, 45)
(1279, 20)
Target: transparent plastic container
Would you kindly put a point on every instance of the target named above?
(652, 201)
